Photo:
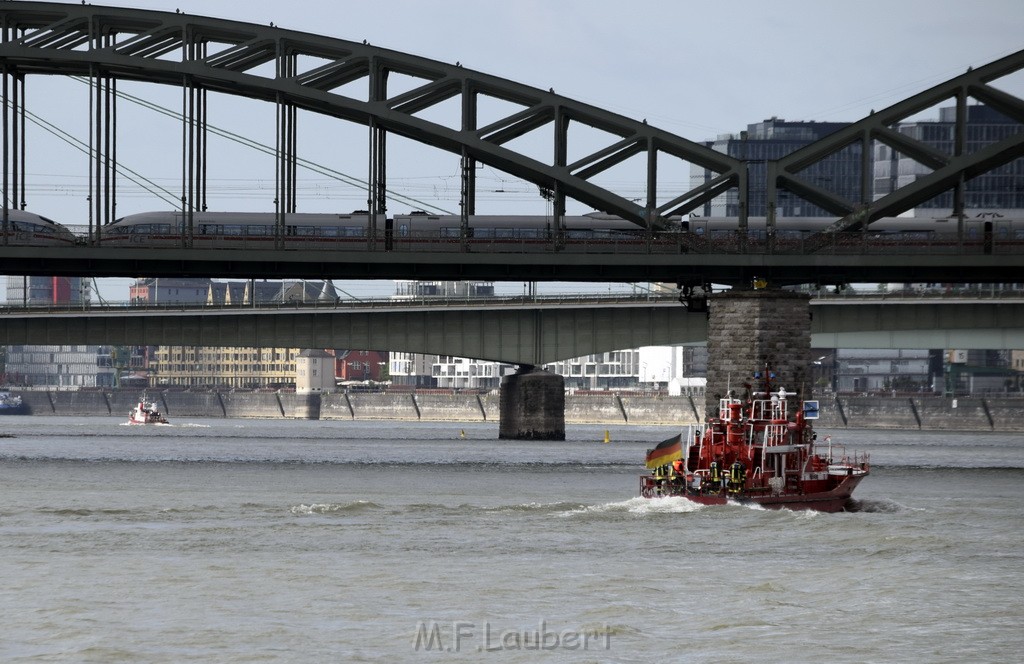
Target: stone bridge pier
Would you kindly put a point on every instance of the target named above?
(751, 329)
(532, 405)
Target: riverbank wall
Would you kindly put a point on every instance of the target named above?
(854, 412)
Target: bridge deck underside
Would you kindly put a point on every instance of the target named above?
(518, 335)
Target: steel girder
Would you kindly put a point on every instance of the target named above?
(948, 171)
(226, 56)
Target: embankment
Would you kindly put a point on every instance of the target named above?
(855, 412)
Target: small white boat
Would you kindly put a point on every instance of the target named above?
(146, 413)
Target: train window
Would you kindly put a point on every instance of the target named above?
(232, 229)
(352, 231)
(209, 229)
(305, 231)
(450, 231)
(142, 229)
(257, 229)
(504, 233)
(162, 229)
(403, 230)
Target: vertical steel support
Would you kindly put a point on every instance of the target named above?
(15, 105)
(186, 219)
(96, 153)
(113, 150)
(772, 194)
(959, 142)
(377, 187)
(279, 226)
(203, 138)
(771, 205)
(286, 164)
(743, 189)
(101, 139)
(108, 162)
(6, 183)
(867, 175)
(557, 193)
(467, 195)
(4, 93)
(22, 198)
(651, 213)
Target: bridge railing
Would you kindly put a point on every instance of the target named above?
(719, 242)
(1003, 292)
(425, 301)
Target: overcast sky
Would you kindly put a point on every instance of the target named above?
(694, 69)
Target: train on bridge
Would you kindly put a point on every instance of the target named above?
(422, 230)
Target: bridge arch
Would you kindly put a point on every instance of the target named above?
(205, 54)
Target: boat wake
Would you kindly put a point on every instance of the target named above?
(879, 506)
(639, 506)
(334, 508)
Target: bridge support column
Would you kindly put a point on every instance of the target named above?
(307, 407)
(532, 405)
(751, 328)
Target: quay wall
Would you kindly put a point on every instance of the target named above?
(854, 412)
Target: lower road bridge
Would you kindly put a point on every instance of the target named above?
(524, 331)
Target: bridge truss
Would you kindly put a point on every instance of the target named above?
(110, 44)
(295, 70)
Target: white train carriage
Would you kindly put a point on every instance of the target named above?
(239, 229)
(27, 228)
(512, 228)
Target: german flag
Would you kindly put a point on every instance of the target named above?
(666, 452)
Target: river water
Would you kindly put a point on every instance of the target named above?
(279, 541)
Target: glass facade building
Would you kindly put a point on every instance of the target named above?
(994, 192)
(771, 140)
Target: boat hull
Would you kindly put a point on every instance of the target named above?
(837, 499)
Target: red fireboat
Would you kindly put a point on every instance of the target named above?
(755, 451)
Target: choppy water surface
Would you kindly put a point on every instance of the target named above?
(243, 541)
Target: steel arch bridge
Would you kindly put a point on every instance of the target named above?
(204, 54)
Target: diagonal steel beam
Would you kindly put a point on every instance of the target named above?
(878, 125)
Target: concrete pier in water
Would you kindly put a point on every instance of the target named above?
(532, 406)
(751, 329)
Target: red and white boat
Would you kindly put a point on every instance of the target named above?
(146, 413)
(756, 451)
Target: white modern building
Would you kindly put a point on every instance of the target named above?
(50, 366)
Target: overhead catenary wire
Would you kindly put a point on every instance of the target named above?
(270, 150)
(84, 148)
